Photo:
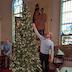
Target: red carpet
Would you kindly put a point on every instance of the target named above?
(5, 70)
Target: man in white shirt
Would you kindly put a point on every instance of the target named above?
(6, 48)
(46, 49)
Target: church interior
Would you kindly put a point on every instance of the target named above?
(16, 18)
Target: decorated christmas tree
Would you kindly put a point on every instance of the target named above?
(25, 52)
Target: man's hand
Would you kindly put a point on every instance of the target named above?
(33, 24)
(50, 59)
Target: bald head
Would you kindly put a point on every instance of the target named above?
(48, 35)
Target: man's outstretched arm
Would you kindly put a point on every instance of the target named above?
(36, 31)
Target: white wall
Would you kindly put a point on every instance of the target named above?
(5, 14)
(0, 29)
(55, 23)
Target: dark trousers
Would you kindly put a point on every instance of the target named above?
(4, 62)
(44, 62)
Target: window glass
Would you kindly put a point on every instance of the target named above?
(17, 7)
(66, 22)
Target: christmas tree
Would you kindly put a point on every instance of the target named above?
(25, 52)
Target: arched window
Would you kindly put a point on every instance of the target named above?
(16, 14)
(17, 8)
(66, 21)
